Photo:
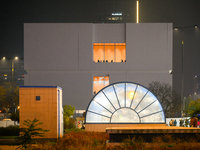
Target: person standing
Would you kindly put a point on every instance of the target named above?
(170, 123)
(175, 122)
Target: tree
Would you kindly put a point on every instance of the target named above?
(27, 134)
(164, 93)
(9, 95)
(2, 95)
(15, 116)
(193, 110)
(68, 112)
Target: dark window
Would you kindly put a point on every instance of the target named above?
(37, 98)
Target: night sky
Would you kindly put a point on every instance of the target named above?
(182, 13)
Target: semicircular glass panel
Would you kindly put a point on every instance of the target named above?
(154, 118)
(104, 101)
(130, 93)
(139, 95)
(120, 92)
(97, 108)
(153, 108)
(111, 95)
(92, 117)
(125, 102)
(125, 115)
(146, 101)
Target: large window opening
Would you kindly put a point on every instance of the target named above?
(109, 52)
(100, 82)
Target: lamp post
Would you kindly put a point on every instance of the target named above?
(182, 63)
(13, 69)
(12, 80)
(195, 85)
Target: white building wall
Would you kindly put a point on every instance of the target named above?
(62, 54)
(51, 46)
(112, 33)
(149, 46)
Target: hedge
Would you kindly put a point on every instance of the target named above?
(9, 131)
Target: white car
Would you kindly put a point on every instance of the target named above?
(6, 119)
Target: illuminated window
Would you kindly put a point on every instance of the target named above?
(109, 52)
(125, 102)
(100, 82)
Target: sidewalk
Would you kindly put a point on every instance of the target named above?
(8, 142)
(7, 147)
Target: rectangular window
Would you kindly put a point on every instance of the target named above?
(120, 53)
(100, 82)
(109, 52)
(98, 49)
(37, 98)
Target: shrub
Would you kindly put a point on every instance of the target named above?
(70, 124)
(133, 143)
(80, 139)
(9, 131)
(83, 139)
(27, 134)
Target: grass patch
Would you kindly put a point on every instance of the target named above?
(74, 130)
(8, 137)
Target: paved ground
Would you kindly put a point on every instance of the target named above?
(8, 142)
(7, 147)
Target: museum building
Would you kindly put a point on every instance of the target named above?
(83, 58)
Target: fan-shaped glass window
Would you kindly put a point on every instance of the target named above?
(125, 103)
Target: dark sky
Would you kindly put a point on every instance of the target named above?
(182, 13)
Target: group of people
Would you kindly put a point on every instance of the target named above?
(173, 122)
(193, 122)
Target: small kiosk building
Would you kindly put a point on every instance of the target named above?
(45, 104)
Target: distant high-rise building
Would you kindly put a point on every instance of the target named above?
(12, 70)
(116, 11)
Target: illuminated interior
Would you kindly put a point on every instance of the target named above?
(100, 82)
(109, 52)
(125, 102)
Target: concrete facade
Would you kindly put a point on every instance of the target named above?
(44, 104)
(62, 54)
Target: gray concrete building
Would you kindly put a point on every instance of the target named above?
(84, 57)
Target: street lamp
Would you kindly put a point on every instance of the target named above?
(182, 67)
(13, 69)
(195, 84)
(12, 84)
